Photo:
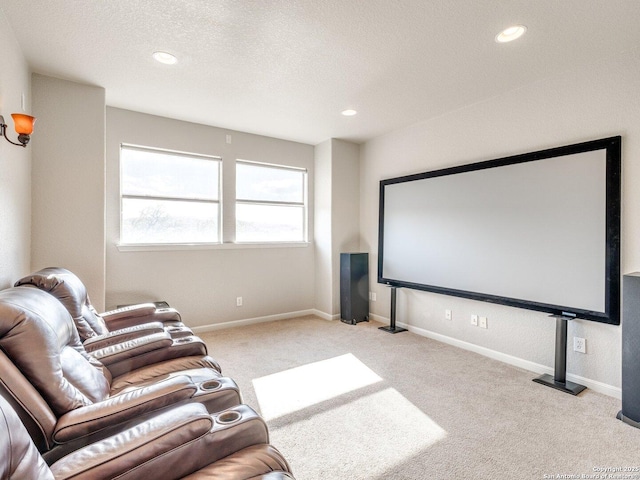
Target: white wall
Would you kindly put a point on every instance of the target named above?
(15, 163)
(345, 218)
(597, 101)
(337, 226)
(322, 240)
(68, 180)
(204, 283)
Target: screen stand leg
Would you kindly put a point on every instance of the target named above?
(559, 379)
(392, 326)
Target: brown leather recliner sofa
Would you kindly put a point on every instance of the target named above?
(66, 398)
(184, 442)
(123, 339)
(67, 287)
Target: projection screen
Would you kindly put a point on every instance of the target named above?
(538, 231)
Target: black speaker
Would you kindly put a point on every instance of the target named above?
(630, 412)
(354, 287)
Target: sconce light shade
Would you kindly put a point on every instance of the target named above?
(24, 127)
(24, 123)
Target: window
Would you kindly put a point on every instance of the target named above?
(168, 197)
(271, 203)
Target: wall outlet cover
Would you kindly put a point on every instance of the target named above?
(579, 345)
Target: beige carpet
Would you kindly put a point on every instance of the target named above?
(353, 402)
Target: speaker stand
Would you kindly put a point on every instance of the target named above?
(392, 325)
(627, 420)
(559, 379)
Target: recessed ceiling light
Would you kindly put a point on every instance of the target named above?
(349, 113)
(511, 33)
(165, 57)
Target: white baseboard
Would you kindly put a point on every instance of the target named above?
(326, 316)
(594, 385)
(251, 321)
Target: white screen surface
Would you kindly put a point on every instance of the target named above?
(533, 231)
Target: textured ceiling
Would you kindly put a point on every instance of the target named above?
(287, 68)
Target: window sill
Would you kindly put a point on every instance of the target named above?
(157, 247)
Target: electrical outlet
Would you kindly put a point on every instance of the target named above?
(447, 314)
(579, 345)
(483, 322)
(374, 297)
(238, 301)
(474, 320)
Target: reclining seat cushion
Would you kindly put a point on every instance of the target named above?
(38, 335)
(19, 457)
(69, 289)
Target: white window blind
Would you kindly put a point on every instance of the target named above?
(271, 203)
(168, 197)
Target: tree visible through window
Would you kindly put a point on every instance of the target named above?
(271, 203)
(168, 197)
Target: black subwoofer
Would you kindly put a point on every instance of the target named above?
(630, 412)
(354, 287)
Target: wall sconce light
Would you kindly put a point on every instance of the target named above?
(24, 128)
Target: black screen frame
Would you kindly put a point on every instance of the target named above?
(611, 313)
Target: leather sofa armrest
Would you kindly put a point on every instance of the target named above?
(167, 315)
(132, 311)
(122, 408)
(161, 369)
(122, 335)
(181, 440)
(131, 348)
(141, 313)
(141, 352)
(258, 462)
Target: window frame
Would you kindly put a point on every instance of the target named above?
(174, 198)
(304, 204)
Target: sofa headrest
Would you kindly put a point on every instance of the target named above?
(72, 293)
(39, 337)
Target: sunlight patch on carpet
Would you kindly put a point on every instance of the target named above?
(380, 430)
(302, 387)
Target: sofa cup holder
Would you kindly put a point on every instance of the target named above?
(211, 385)
(229, 417)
